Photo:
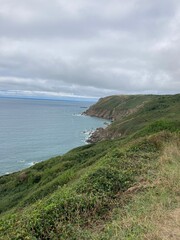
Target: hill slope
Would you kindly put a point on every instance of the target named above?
(132, 113)
(119, 188)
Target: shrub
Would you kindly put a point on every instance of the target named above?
(105, 180)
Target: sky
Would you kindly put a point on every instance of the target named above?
(89, 48)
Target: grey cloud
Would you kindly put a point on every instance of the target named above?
(44, 19)
(90, 48)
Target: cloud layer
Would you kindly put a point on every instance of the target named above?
(90, 48)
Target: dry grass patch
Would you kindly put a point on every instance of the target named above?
(170, 227)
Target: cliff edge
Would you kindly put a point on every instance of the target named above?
(129, 113)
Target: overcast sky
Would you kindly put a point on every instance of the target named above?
(89, 47)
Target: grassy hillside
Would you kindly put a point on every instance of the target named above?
(121, 188)
(116, 107)
(132, 113)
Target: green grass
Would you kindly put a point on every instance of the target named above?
(146, 213)
(113, 189)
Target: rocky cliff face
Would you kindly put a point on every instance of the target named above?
(114, 108)
(109, 114)
(103, 134)
(101, 113)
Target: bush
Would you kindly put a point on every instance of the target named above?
(105, 180)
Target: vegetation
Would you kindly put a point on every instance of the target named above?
(121, 188)
(133, 113)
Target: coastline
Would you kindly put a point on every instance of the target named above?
(99, 133)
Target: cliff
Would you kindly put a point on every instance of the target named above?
(117, 107)
(129, 113)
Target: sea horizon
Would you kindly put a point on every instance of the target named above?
(5, 94)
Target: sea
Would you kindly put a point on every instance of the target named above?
(35, 130)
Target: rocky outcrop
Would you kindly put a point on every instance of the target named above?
(99, 134)
(100, 113)
(102, 134)
(114, 108)
(114, 114)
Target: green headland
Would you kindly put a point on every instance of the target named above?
(124, 185)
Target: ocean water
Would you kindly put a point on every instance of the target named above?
(35, 130)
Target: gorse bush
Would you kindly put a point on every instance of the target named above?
(105, 180)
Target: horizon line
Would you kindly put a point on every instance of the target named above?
(62, 98)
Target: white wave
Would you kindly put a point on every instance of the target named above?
(78, 115)
(88, 132)
(31, 163)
